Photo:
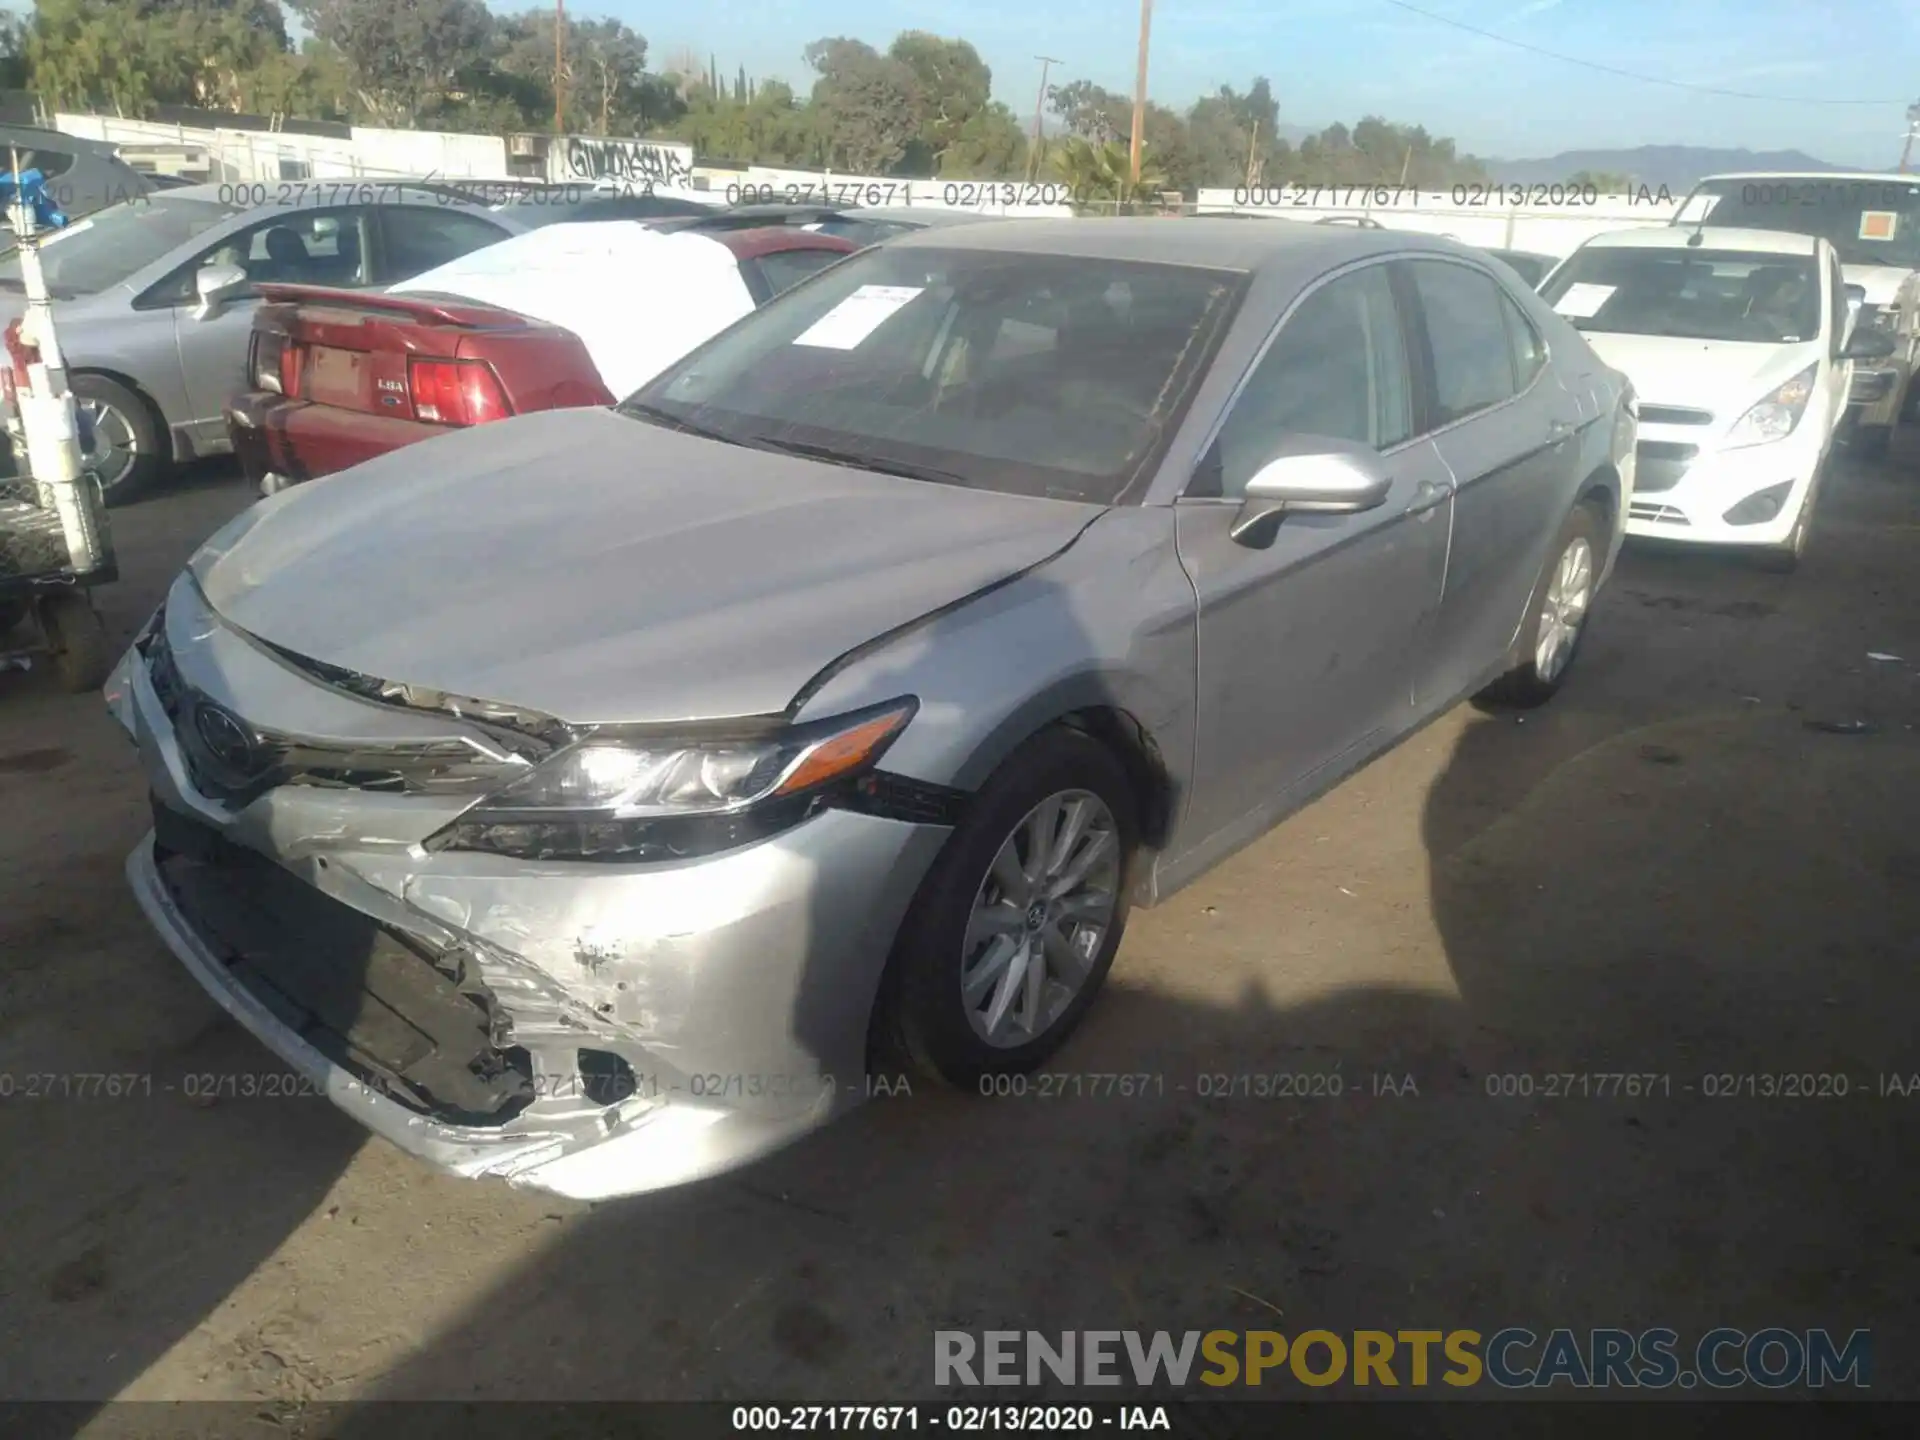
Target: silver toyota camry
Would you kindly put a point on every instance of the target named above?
(597, 798)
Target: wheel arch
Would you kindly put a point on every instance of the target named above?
(1087, 702)
(162, 430)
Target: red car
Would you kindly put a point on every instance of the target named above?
(580, 317)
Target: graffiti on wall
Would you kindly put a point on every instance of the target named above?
(639, 162)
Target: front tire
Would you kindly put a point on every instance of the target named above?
(1557, 617)
(125, 454)
(78, 638)
(1016, 925)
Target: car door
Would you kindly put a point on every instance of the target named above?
(1307, 643)
(291, 246)
(1509, 434)
(414, 239)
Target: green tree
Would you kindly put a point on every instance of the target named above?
(869, 105)
(406, 56)
(1099, 173)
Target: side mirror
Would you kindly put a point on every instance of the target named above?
(1856, 296)
(1868, 343)
(217, 286)
(1320, 482)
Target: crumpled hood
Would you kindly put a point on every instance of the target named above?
(1725, 377)
(600, 569)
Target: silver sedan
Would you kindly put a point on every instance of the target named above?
(154, 305)
(593, 798)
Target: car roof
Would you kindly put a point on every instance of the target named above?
(1219, 244)
(916, 215)
(1713, 237)
(1837, 176)
(306, 194)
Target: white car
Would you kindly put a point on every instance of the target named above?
(1874, 222)
(1740, 345)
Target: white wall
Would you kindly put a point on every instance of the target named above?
(1556, 230)
(278, 154)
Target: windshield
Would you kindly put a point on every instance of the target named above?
(1870, 222)
(105, 248)
(1691, 294)
(1032, 374)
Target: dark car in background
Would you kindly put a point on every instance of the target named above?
(1529, 266)
(81, 176)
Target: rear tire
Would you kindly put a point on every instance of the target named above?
(943, 986)
(126, 455)
(78, 638)
(1556, 620)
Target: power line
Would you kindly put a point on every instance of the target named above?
(1628, 74)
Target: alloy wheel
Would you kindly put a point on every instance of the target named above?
(1569, 591)
(1040, 917)
(115, 448)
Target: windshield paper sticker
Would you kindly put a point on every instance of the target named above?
(1696, 209)
(1582, 302)
(857, 316)
(1878, 224)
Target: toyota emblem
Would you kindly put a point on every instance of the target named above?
(227, 739)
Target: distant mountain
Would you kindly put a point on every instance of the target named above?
(1675, 166)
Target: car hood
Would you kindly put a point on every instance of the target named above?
(600, 569)
(1726, 377)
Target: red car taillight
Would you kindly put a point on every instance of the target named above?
(274, 363)
(456, 392)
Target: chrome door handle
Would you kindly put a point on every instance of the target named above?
(1558, 427)
(1426, 496)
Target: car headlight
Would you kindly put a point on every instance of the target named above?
(627, 800)
(1774, 417)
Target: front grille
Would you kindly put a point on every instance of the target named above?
(1674, 415)
(1657, 514)
(269, 758)
(410, 1020)
(1660, 464)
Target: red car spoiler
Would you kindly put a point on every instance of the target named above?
(419, 308)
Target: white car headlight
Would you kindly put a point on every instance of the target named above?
(1775, 416)
(642, 799)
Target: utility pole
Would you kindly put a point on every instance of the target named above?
(1140, 94)
(1913, 126)
(1253, 157)
(1039, 107)
(559, 66)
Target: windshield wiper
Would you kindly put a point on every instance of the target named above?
(855, 461)
(658, 416)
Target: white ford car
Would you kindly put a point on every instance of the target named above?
(1740, 345)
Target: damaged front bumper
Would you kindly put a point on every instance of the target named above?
(589, 1030)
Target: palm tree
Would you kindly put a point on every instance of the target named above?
(1098, 175)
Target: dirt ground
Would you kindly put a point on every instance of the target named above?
(1672, 870)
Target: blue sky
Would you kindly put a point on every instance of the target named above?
(1340, 59)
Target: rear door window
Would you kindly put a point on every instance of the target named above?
(1473, 362)
(419, 238)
